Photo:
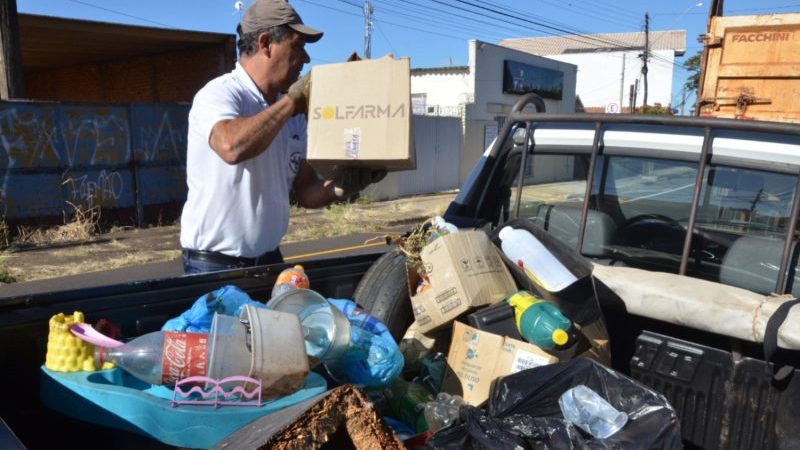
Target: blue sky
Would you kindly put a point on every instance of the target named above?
(431, 32)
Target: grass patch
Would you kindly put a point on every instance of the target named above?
(6, 277)
(83, 226)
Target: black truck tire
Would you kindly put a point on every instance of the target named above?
(383, 292)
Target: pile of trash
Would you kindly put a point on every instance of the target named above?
(508, 349)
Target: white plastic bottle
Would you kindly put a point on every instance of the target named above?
(523, 249)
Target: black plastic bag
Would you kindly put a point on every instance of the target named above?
(523, 413)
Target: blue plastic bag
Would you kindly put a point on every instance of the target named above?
(373, 358)
(228, 300)
(359, 318)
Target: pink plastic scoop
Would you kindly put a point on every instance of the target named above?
(85, 332)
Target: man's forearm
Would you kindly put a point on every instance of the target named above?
(240, 139)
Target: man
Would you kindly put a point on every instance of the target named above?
(247, 146)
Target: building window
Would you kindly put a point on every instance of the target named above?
(418, 102)
(521, 78)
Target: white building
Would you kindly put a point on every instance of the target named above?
(609, 64)
(482, 93)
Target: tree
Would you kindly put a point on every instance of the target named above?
(692, 65)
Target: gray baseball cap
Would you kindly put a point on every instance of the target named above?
(263, 14)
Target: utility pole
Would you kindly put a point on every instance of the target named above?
(646, 54)
(635, 93)
(622, 82)
(11, 84)
(684, 94)
(368, 10)
(631, 106)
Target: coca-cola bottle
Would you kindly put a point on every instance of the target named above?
(162, 357)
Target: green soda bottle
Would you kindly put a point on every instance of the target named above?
(540, 322)
(406, 402)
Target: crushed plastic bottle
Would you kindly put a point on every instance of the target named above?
(590, 412)
(442, 412)
(440, 227)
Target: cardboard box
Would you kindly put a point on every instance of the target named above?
(476, 358)
(465, 272)
(360, 115)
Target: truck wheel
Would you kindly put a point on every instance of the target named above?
(383, 292)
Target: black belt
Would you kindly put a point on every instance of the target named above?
(270, 257)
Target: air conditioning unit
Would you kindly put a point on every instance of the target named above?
(432, 110)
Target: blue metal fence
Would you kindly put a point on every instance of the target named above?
(129, 160)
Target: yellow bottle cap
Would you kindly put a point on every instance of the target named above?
(559, 336)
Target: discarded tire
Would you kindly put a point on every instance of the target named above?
(383, 292)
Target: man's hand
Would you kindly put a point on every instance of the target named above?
(299, 92)
(348, 181)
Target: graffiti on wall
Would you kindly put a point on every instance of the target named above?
(92, 150)
(104, 189)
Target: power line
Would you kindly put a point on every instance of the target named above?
(435, 20)
(611, 5)
(331, 8)
(795, 5)
(589, 14)
(564, 34)
(386, 22)
(351, 4)
(122, 13)
(380, 30)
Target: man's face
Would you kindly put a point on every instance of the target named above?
(289, 56)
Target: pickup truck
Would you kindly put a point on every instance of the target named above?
(687, 312)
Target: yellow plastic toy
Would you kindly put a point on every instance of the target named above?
(65, 352)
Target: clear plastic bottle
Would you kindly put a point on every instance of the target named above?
(289, 279)
(442, 412)
(590, 412)
(162, 357)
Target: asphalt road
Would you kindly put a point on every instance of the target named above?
(295, 252)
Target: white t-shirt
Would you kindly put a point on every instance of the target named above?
(242, 209)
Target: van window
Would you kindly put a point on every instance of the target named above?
(644, 205)
(553, 182)
(741, 226)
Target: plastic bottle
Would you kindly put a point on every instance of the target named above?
(291, 278)
(541, 266)
(540, 322)
(442, 412)
(406, 401)
(161, 357)
(561, 274)
(590, 412)
(370, 360)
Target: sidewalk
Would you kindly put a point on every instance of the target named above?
(147, 253)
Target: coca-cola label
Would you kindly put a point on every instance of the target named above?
(185, 355)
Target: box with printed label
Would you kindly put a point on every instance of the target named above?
(465, 271)
(476, 358)
(360, 115)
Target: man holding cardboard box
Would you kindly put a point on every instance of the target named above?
(247, 148)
